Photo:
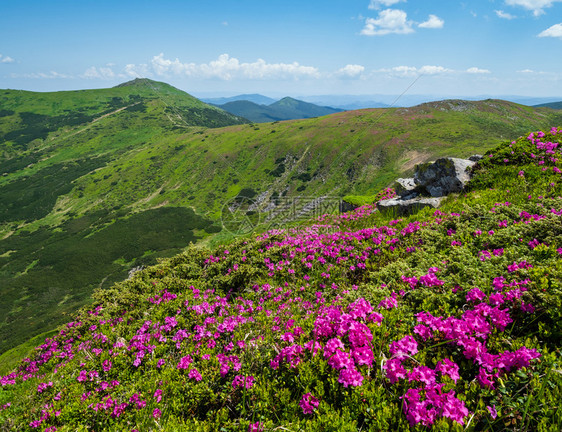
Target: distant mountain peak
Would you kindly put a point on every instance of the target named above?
(151, 85)
(137, 82)
(289, 100)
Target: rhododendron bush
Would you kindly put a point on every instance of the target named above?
(449, 319)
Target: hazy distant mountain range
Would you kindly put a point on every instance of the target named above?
(353, 102)
(284, 109)
(255, 98)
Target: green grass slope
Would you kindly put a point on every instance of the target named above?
(28, 117)
(449, 319)
(86, 204)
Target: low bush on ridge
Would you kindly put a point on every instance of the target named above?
(449, 319)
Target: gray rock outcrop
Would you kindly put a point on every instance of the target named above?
(405, 207)
(404, 186)
(444, 176)
(431, 182)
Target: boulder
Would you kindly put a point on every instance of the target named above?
(444, 176)
(404, 186)
(437, 179)
(475, 157)
(405, 207)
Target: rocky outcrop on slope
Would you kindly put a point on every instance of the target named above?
(432, 182)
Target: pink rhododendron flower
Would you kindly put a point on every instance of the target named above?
(449, 368)
(350, 377)
(394, 370)
(496, 299)
(405, 347)
(243, 381)
(376, 318)
(194, 374)
(360, 308)
(454, 408)
(363, 356)
(255, 427)
(389, 302)
(422, 374)
(340, 359)
(158, 395)
(485, 379)
(492, 411)
(474, 295)
(184, 362)
(308, 403)
(423, 331)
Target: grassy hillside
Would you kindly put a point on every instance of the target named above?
(449, 319)
(26, 118)
(553, 105)
(284, 109)
(88, 203)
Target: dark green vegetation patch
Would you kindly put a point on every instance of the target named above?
(32, 198)
(49, 273)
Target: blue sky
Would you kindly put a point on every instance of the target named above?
(286, 47)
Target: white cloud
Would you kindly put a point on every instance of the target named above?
(99, 73)
(553, 31)
(537, 6)
(475, 70)
(6, 59)
(504, 15)
(404, 71)
(434, 70)
(43, 75)
(226, 68)
(433, 22)
(376, 4)
(137, 71)
(351, 71)
(412, 71)
(388, 21)
(541, 73)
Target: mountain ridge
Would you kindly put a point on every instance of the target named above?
(254, 97)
